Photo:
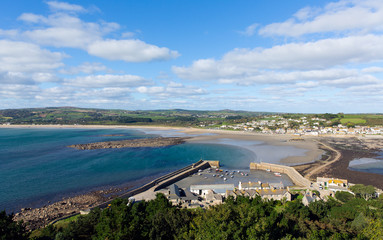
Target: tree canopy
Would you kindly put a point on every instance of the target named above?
(240, 218)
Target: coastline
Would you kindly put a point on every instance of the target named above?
(346, 150)
(337, 168)
(200, 136)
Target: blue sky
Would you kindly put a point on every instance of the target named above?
(286, 56)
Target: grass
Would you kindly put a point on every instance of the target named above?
(60, 224)
(63, 223)
(353, 120)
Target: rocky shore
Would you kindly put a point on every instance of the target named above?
(38, 217)
(133, 143)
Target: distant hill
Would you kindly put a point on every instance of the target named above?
(74, 115)
(166, 117)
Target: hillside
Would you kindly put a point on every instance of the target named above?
(71, 115)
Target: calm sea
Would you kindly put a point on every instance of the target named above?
(36, 166)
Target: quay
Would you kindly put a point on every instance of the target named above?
(147, 191)
(293, 174)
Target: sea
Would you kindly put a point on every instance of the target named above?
(38, 167)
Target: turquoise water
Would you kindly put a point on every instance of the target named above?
(36, 166)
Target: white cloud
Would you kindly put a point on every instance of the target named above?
(250, 30)
(61, 37)
(66, 30)
(108, 80)
(9, 33)
(306, 13)
(172, 90)
(130, 51)
(32, 18)
(27, 57)
(288, 77)
(17, 91)
(366, 90)
(63, 6)
(128, 34)
(311, 56)
(63, 30)
(86, 67)
(372, 70)
(341, 16)
(151, 90)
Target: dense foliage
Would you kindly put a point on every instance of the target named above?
(10, 229)
(240, 218)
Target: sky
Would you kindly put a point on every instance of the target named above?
(307, 56)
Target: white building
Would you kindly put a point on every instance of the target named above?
(216, 188)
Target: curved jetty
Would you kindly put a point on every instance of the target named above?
(132, 143)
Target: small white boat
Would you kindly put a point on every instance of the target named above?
(268, 170)
(277, 174)
(224, 179)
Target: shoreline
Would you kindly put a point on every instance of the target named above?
(196, 136)
(309, 145)
(309, 160)
(342, 151)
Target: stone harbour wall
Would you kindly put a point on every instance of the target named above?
(293, 174)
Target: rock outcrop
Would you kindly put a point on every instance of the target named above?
(133, 143)
(39, 217)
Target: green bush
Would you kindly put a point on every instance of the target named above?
(343, 196)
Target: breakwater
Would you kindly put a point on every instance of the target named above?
(293, 174)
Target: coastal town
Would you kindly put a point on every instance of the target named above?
(205, 184)
(302, 126)
(250, 183)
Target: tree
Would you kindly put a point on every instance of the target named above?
(293, 124)
(374, 230)
(343, 196)
(363, 191)
(10, 229)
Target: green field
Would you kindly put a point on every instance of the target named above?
(353, 120)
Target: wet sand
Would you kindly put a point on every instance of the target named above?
(312, 152)
(349, 149)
